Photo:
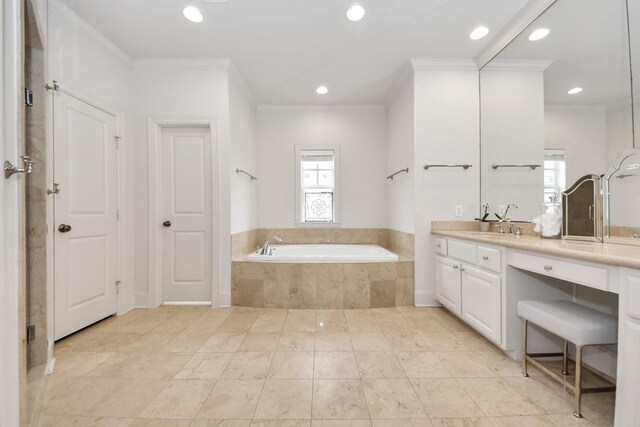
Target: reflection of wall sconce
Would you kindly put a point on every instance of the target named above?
(9, 169)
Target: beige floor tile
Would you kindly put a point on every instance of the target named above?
(369, 341)
(223, 342)
(147, 322)
(292, 365)
(123, 398)
(237, 323)
(406, 340)
(462, 422)
(232, 399)
(392, 399)
(335, 365)
(422, 365)
(185, 342)
(522, 421)
(296, 341)
(221, 423)
(445, 398)
(73, 364)
(341, 423)
(331, 321)
(281, 423)
(300, 321)
(474, 341)
(204, 366)
(381, 365)
(208, 322)
(496, 398)
(543, 392)
(451, 322)
(148, 343)
(285, 399)
(361, 321)
(248, 365)
(333, 341)
(465, 364)
(341, 399)
(568, 420)
(103, 342)
(503, 365)
(181, 399)
(442, 341)
(402, 423)
(428, 324)
(179, 321)
(160, 423)
(73, 421)
(266, 323)
(260, 342)
(142, 366)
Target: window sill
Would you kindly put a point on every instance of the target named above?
(317, 224)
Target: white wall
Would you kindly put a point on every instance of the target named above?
(180, 88)
(361, 133)
(446, 131)
(400, 148)
(244, 154)
(513, 133)
(581, 131)
(82, 60)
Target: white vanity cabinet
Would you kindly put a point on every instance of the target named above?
(628, 398)
(469, 284)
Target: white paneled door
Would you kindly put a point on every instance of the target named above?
(85, 213)
(187, 217)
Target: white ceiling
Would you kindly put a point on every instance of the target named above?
(286, 48)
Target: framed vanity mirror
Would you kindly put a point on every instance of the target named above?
(556, 105)
(582, 210)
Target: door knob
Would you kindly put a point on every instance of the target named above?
(64, 228)
(167, 224)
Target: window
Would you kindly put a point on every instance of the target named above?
(316, 185)
(554, 175)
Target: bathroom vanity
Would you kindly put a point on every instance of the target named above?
(480, 277)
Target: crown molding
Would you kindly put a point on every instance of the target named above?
(444, 64)
(208, 62)
(517, 65)
(529, 13)
(333, 107)
(79, 23)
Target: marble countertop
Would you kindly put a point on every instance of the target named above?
(603, 253)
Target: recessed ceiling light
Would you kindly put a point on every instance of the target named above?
(355, 13)
(539, 34)
(322, 90)
(574, 90)
(479, 33)
(192, 14)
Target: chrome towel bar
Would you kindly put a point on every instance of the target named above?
(532, 167)
(465, 167)
(253, 178)
(406, 170)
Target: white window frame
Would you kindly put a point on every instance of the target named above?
(299, 205)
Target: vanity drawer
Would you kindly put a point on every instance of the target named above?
(462, 251)
(440, 246)
(489, 258)
(592, 276)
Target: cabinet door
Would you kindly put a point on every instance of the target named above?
(627, 397)
(448, 284)
(481, 302)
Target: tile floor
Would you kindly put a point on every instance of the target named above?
(195, 366)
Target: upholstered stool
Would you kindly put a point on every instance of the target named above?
(575, 323)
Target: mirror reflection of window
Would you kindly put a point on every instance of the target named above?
(554, 175)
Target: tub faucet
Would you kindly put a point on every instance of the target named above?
(267, 243)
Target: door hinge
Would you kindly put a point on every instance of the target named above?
(118, 282)
(28, 97)
(117, 138)
(31, 333)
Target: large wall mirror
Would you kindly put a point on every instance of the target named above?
(556, 105)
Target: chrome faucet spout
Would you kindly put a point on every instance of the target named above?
(267, 243)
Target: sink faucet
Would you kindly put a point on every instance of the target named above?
(267, 243)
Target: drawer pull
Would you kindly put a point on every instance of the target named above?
(438, 245)
(484, 257)
(548, 267)
(461, 268)
(455, 267)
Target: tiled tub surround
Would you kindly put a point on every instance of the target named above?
(324, 285)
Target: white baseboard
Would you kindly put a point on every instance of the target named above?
(51, 360)
(207, 303)
(224, 299)
(426, 299)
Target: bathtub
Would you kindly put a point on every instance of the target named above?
(326, 253)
